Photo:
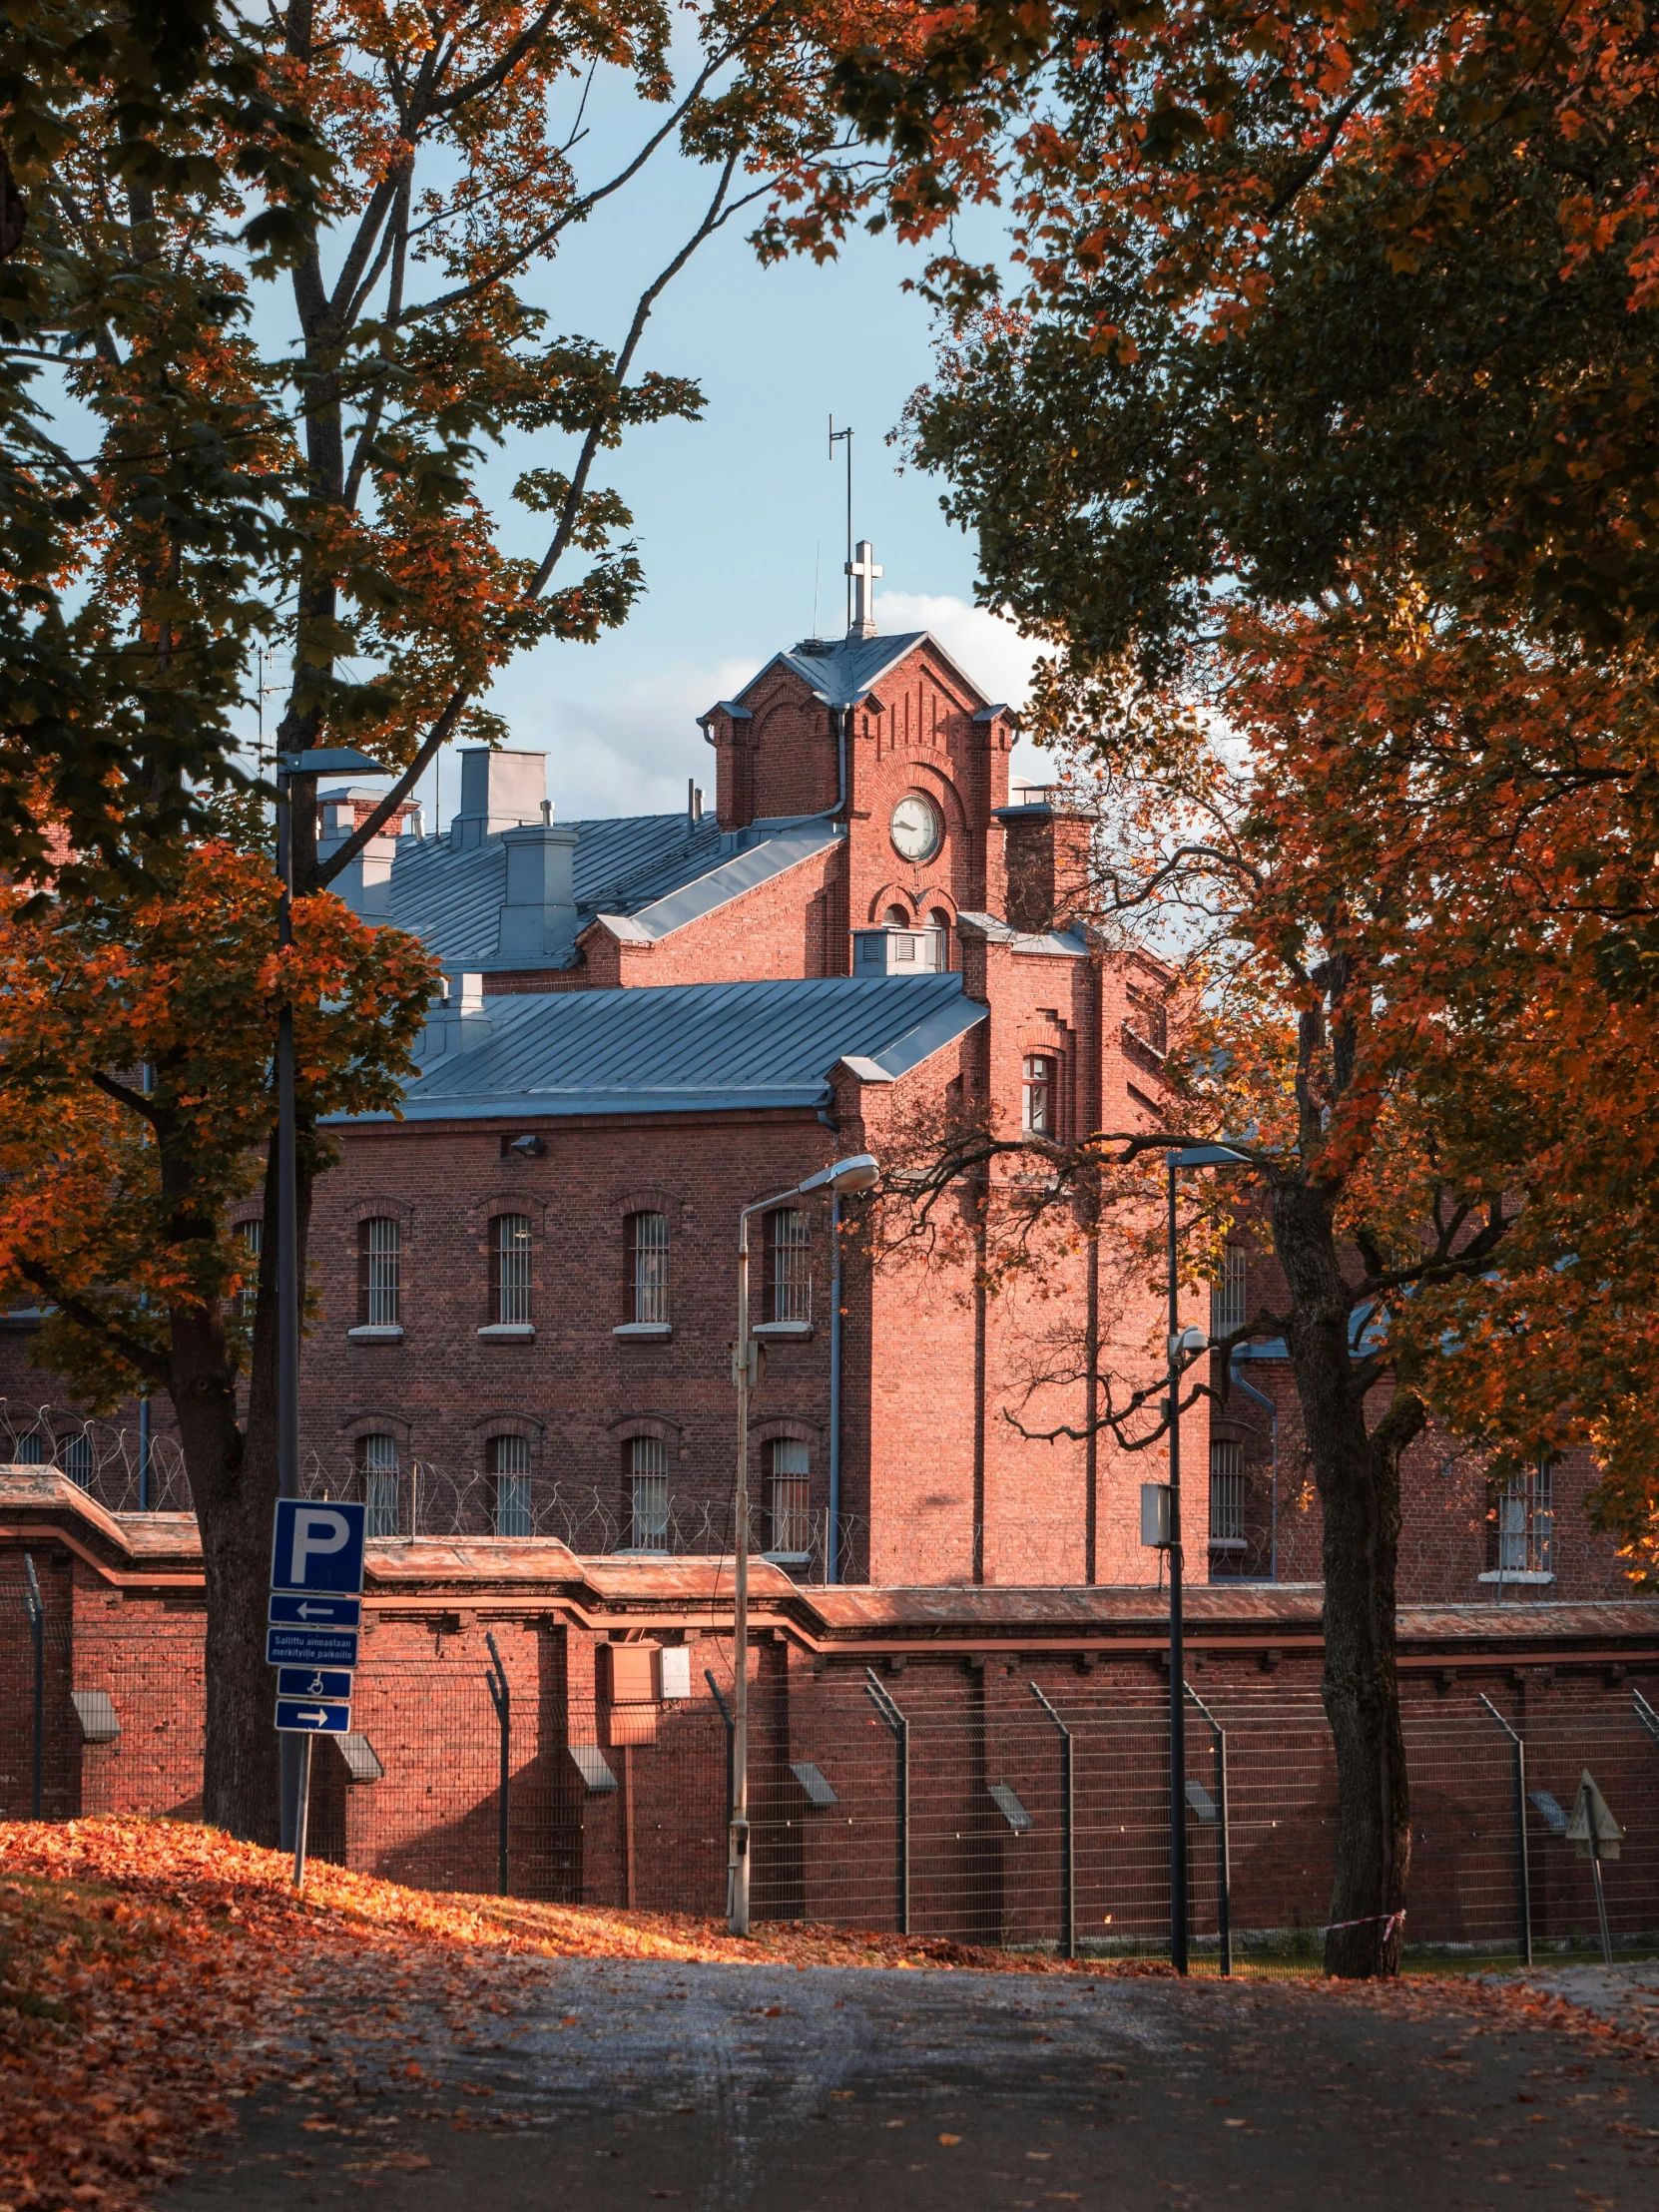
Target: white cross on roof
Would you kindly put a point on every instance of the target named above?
(864, 573)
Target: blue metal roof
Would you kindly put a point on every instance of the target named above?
(695, 1047)
(846, 670)
(663, 869)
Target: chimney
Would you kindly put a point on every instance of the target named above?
(455, 1022)
(539, 914)
(1048, 855)
(366, 883)
(499, 790)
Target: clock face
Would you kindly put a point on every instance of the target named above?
(915, 828)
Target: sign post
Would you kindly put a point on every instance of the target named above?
(310, 1638)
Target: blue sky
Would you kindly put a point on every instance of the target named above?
(735, 513)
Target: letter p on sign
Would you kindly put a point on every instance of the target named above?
(318, 1547)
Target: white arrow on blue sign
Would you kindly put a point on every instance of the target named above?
(310, 1647)
(316, 1612)
(299, 1717)
(318, 1548)
(316, 1685)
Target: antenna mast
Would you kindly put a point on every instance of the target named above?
(837, 438)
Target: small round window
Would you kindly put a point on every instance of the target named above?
(915, 828)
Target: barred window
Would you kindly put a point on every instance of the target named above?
(378, 1456)
(509, 1469)
(789, 1262)
(511, 1269)
(1225, 1492)
(1039, 1100)
(75, 1459)
(1525, 1515)
(1149, 1020)
(1226, 1299)
(648, 1266)
(647, 1495)
(252, 1234)
(791, 1518)
(29, 1451)
(379, 1272)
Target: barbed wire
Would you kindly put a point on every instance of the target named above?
(1444, 1545)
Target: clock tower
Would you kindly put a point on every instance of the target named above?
(890, 745)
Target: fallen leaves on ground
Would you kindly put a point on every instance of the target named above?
(154, 1974)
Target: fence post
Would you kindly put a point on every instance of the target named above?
(1224, 1846)
(901, 1727)
(37, 1638)
(1523, 1883)
(1068, 1834)
(502, 1699)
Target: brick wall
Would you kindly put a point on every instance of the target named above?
(123, 1617)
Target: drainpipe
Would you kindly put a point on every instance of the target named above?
(832, 1547)
(1262, 1398)
(831, 1542)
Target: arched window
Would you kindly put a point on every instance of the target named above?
(896, 917)
(1040, 1101)
(789, 1295)
(75, 1459)
(29, 1451)
(252, 1234)
(511, 1268)
(648, 1266)
(1524, 1520)
(647, 1493)
(377, 1459)
(379, 1273)
(1227, 1300)
(791, 1529)
(938, 939)
(1226, 1493)
(509, 1471)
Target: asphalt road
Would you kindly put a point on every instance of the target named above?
(622, 2084)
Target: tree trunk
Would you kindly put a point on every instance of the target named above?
(1358, 1478)
(234, 1481)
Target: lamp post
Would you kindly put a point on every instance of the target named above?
(1181, 1342)
(328, 761)
(858, 1172)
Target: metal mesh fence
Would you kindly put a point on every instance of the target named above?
(417, 1496)
(422, 1496)
(939, 1801)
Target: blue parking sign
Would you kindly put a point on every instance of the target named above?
(316, 1685)
(318, 1545)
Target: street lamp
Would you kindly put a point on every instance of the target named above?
(857, 1172)
(340, 760)
(1181, 1342)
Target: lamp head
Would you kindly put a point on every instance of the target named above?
(860, 1170)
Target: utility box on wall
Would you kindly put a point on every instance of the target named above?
(628, 1692)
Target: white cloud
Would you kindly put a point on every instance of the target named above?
(628, 751)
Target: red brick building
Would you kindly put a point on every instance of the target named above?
(525, 1287)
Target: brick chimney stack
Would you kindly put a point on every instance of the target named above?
(1049, 856)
